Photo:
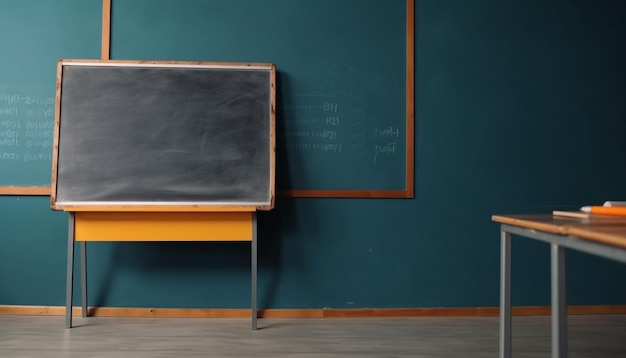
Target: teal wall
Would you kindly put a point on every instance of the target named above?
(520, 108)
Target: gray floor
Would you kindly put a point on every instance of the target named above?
(45, 336)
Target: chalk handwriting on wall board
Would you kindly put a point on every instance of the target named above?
(26, 134)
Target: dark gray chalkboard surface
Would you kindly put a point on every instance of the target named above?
(159, 134)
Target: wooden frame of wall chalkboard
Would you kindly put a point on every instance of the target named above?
(407, 192)
(164, 136)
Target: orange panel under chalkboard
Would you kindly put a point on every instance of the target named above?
(163, 226)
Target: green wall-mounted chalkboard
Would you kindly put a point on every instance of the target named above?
(35, 35)
(344, 91)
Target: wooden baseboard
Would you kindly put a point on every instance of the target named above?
(307, 313)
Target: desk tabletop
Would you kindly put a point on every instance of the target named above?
(603, 229)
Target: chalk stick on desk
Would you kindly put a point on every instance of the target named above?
(571, 214)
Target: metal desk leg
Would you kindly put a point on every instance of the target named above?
(69, 285)
(505, 294)
(83, 276)
(254, 272)
(559, 306)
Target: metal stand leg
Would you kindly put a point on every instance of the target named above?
(83, 277)
(70, 272)
(253, 304)
(559, 307)
(505, 294)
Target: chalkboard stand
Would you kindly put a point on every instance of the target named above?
(98, 226)
(162, 151)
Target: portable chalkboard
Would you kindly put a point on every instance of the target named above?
(156, 134)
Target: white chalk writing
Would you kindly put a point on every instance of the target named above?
(26, 124)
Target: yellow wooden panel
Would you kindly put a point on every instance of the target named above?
(162, 226)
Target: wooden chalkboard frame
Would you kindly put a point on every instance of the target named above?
(407, 192)
(168, 205)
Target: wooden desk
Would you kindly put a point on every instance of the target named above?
(601, 236)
